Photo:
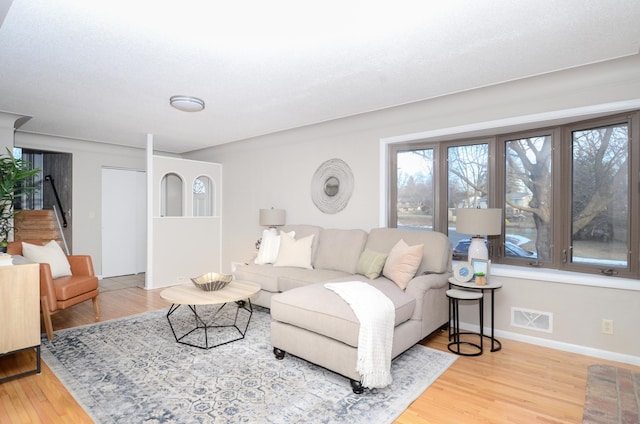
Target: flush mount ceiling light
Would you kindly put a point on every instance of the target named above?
(187, 103)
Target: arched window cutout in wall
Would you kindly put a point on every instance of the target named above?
(203, 196)
(171, 195)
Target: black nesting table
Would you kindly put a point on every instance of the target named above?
(491, 286)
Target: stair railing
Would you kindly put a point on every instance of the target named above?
(55, 193)
(64, 239)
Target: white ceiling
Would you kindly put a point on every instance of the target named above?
(104, 70)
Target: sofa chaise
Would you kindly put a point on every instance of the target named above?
(316, 324)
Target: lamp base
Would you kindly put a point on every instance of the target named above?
(477, 249)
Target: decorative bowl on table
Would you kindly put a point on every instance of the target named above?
(212, 281)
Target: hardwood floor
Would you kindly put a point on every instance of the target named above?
(521, 383)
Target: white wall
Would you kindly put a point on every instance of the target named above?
(183, 246)
(276, 170)
(577, 311)
(88, 160)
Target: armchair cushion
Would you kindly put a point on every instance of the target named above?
(50, 253)
(73, 286)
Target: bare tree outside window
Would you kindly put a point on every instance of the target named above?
(468, 186)
(569, 193)
(600, 199)
(528, 196)
(468, 175)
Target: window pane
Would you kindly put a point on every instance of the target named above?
(528, 198)
(468, 187)
(415, 189)
(202, 196)
(171, 195)
(600, 196)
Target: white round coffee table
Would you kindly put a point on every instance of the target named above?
(195, 331)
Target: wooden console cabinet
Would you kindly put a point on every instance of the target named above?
(20, 312)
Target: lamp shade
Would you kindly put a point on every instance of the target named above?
(272, 217)
(477, 221)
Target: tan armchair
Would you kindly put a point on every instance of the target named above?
(63, 292)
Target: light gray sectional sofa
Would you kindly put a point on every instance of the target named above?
(316, 324)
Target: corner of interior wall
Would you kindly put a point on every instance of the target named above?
(384, 183)
(149, 165)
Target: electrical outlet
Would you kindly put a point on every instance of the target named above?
(607, 326)
(181, 278)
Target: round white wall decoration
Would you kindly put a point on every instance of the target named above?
(332, 185)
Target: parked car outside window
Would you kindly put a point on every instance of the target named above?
(511, 250)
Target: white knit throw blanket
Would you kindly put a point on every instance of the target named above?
(376, 314)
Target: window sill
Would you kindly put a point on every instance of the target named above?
(565, 277)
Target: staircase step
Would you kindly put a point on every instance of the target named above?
(23, 234)
(28, 215)
(36, 225)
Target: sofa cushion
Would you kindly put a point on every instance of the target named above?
(437, 252)
(339, 250)
(322, 311)
(269, 246)
(298, 277)
(265, 275)
(276, 279)
(402, 263)
(371, 263)
(304, 231)
(294, 253)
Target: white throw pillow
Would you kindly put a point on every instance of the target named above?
(296, 253)
(50, 253)
(402, 263)
(269, 247)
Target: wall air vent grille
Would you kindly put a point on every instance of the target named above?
(532, 320)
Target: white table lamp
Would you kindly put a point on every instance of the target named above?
(479, 223)
(272, 218)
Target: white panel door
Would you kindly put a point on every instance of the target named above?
(123, 222)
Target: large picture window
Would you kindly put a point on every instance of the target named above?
(565, 193)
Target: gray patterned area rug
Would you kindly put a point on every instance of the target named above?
(132, 370)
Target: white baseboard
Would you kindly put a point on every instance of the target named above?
(553, 344)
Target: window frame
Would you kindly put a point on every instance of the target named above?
(633, 263)
(556, 178)
(392, 210)
(561, 173)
